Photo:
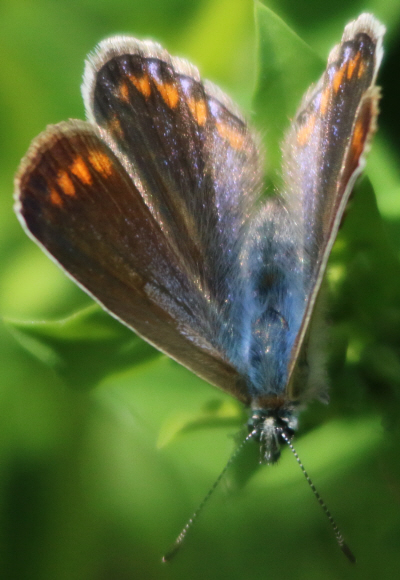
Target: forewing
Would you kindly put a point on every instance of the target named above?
(78, 202)
(324, 151)
(190, 154)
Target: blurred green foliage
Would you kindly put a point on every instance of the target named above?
(95, 481)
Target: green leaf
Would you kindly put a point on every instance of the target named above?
(216, 413)
(84, 347)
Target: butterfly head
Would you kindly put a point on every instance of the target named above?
(272, 428)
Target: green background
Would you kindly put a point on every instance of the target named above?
(107, 447)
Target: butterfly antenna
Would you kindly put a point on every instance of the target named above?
(179, 540)
(339, 538)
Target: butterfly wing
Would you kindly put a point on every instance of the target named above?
(188, 146)
(324, 151)
(290, 239)
(146, 211)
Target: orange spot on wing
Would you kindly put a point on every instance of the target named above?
(115, 126)
(169, 93)
(352, 64)
(337, 79)
(325, 101)
(81, 171)
(198, 108)
(142, 84)
(361, 69)
(65, 183)
(123, 90)
(55, 197)
(358, 140)
(233, 136)
(101, 163)
(305, 131)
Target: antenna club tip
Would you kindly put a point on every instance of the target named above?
(348, 553)
(170, 554)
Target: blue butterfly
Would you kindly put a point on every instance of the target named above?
(153, 207)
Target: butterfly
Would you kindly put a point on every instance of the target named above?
(153, 207)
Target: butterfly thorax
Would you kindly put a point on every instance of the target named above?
(274, 302)
(269, 426)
